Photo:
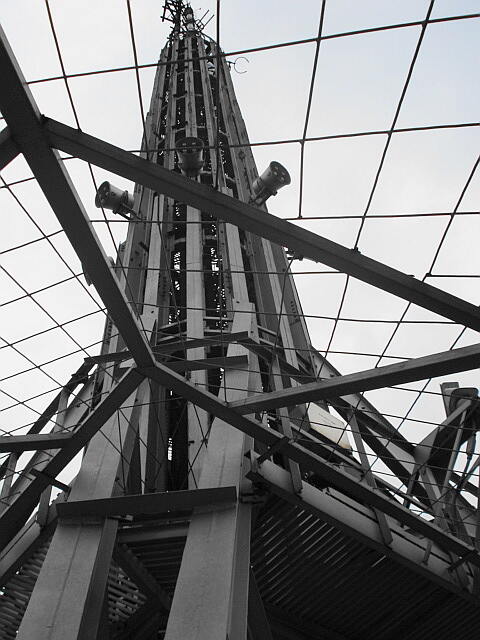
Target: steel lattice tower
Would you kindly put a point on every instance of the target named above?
(188, 520)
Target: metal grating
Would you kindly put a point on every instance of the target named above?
(17, 591)
(314, 574)
(161, 556)
(124, 597)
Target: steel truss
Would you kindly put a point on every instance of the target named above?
(189, 498)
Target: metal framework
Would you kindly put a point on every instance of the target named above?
(212, 500)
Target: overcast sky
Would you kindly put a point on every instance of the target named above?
(358, 84)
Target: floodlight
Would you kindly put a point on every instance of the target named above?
(190, 156)
(111, 197)
(272, 179)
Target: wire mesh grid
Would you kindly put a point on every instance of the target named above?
(373, 111)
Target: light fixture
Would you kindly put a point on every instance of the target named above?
(329, 426)
(461, 394)
(110, 197)
(272, 179)
(188, 18)
(190, 156)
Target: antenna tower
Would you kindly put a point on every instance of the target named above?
(225, 489)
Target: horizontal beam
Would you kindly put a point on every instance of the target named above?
(8, 149)
(172, 346)
(438, 364)
(301, 241)
(358, 522)
(179, 345)
(17, 513)
(151, 534)
(331, 474)
(226, 362)
(33, 442)
(220, 362)
(148, 503)
(24, 120)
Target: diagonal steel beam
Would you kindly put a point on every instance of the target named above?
(8, 149)
(143, 623)
(332, 475)
(438, 364)
(171, 346)
(137, 571)
(79, 377)
(24, 121)
(17, 513)
(301, 241)
(386, 441)
(373, 419)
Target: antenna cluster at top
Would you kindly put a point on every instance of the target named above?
(181, 15)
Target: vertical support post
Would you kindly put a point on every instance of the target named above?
(476, 571)
(153, 430)
(7, 480)
(380, 516)
(42, 513)
(197, 418)
(68, 597)
(195, 294)
(286, 428)
(211, 595)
